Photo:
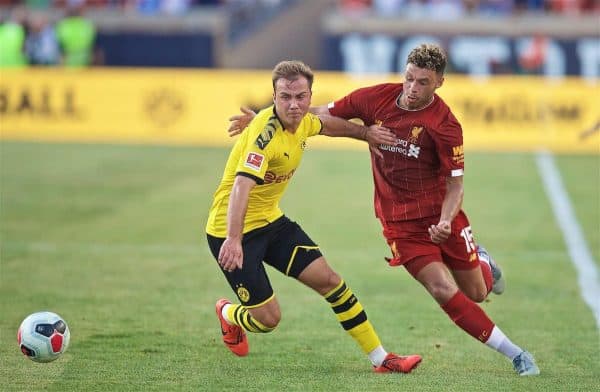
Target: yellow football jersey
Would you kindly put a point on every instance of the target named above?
(268, 154)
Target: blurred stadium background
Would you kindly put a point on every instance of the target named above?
(550, 37)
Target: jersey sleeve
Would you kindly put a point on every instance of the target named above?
(314, 125)
(449, 143)
(256, 152)
(353, 105)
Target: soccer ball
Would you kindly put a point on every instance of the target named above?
(43, 336)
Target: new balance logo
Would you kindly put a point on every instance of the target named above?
(414, 151)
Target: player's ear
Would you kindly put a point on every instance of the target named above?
(273, 96)
(440, 82)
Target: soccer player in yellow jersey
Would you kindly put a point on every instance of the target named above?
(246, 227)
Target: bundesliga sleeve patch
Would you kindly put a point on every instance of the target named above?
(254, 161)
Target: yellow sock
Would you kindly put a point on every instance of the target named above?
(353, 318)
(238, 314)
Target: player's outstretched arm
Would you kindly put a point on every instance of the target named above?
(240, 121)
(332, 126)
(338, 127)
(374, 134)
(319, 110)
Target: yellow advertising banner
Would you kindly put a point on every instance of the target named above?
(176, 106)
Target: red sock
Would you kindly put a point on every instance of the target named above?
(486, 271)
(469, 316)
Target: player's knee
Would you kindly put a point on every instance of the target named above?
(441, 290)
(270, 320)
(320, 277)
(266, 316)
(327, 282)
(333, 280)
(476, 295)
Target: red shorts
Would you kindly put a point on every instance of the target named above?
(412, 247)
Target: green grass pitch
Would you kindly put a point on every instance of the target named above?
(111, 237)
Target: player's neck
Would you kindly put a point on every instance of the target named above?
(402, 104)
(291, 128)
(287, 126)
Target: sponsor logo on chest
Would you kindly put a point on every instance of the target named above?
(408, 147)
(273, 178)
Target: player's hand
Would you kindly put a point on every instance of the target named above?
(240, 121)
(440, 232)
(377, 135)
(231, 255)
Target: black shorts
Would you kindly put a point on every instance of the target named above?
(281, 244)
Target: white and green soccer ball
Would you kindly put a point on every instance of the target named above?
(43, 336)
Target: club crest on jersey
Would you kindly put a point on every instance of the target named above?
(254, 161)
(243, 293)
(413, 137)
(267, 133)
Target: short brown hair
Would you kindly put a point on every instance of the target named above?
(291, 70)
(428, 56)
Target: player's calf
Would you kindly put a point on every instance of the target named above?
(499, 283)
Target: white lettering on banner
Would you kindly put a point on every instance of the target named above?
(363, 55)
(474, 55)
(554, 62)
(588, 51)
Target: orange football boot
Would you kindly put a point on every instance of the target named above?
(234, 337)
(398, 364)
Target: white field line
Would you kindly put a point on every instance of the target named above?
(581, 257)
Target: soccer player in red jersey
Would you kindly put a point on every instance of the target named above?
(419, 193)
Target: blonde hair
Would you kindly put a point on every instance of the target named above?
(291, 70)
(428, 56)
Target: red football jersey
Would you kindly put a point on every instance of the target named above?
(410, 179)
